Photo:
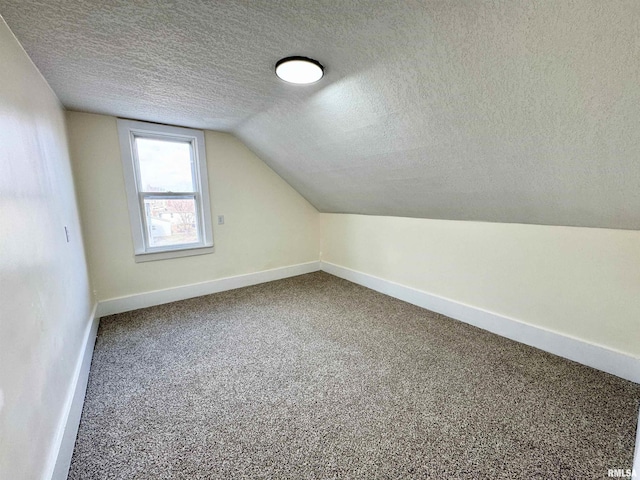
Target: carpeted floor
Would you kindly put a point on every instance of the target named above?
(315, 377)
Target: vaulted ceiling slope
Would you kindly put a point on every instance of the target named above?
(501, 111)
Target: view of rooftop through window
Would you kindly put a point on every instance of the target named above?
(166, 166)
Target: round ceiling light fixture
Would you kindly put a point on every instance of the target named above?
(299, 70)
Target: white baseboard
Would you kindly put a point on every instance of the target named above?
(158, 297)
(596, 356)
(60, 459)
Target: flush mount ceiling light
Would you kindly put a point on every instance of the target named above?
(299, 70)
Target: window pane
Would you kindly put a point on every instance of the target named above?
(171, 221)
(165, 165)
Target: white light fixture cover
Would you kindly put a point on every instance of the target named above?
(299, 70)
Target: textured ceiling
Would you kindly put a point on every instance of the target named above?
(502, 111)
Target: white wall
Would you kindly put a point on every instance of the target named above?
(580, 282)
(267, 223)
(44, 292)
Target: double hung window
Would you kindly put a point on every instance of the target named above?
(167, 190)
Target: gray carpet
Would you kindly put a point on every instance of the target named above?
(315, 377)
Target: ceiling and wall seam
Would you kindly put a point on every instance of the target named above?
(42, 77)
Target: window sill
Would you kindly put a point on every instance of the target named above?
(188, 252)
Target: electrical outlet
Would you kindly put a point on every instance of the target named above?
(220, 219)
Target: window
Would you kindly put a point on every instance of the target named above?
(165, 175)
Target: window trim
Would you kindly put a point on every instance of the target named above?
(128, 130)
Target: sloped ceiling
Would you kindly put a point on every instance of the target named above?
(503, 111)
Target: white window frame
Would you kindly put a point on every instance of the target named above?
(128, 130)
